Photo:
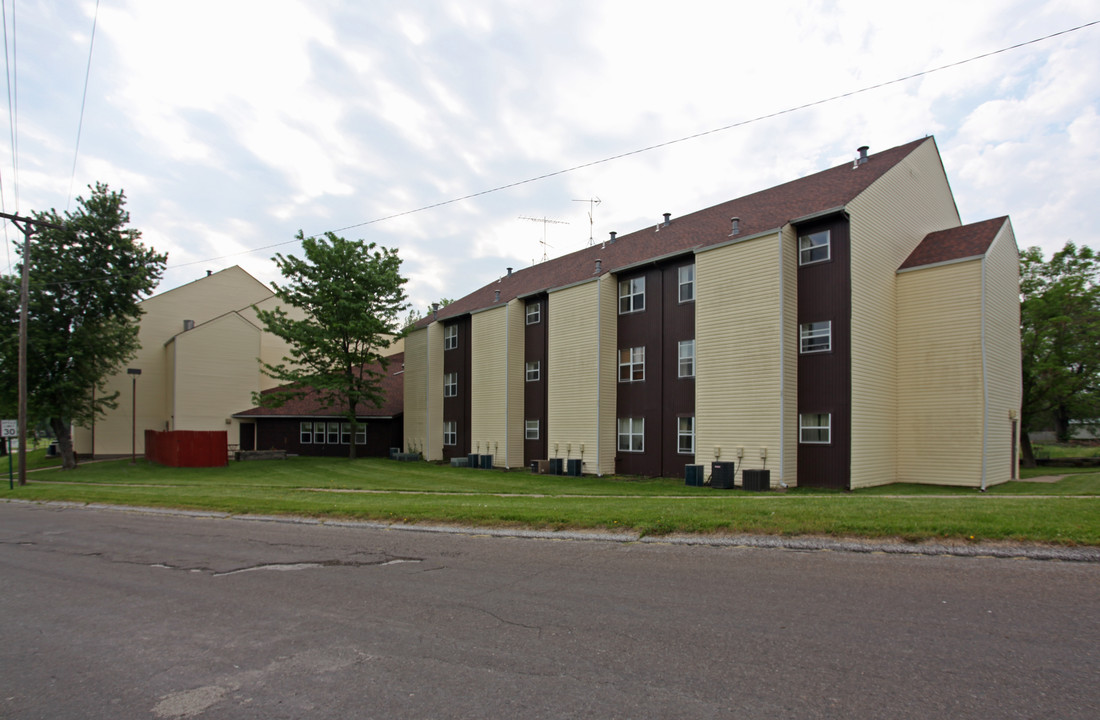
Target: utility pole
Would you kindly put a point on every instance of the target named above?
(27, 228)
(545, 221)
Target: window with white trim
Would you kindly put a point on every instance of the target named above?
(814, 428)
(333, 433)
(450, 337)
(631, 295)
(814, 247)
(686, 366)
(530, 429)
(305, 432)
(345, 433)
(319, 433)
(632, 434)
(450, 432)
(450, 385)
(531, 370)
(632, 364)
(685, 435)
(686, 275)
(534, 313)
(361, 434)
(815, 336)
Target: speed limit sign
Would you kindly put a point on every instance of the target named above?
(9, 428)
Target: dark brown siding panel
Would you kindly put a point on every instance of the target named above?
(677, 394)
(284, 434)
(642, 399)
(458, 408)
(535, 348)
(825, 378)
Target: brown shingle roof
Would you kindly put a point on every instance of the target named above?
(955, 243)
(309, 405)
(759, 212)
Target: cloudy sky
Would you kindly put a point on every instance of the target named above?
(233, 124)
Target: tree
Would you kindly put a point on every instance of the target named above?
(351, 294)
(87, 280)
(1060, 333)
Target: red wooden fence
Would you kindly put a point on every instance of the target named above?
(187, 448)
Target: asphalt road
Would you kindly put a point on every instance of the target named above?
(110, 614)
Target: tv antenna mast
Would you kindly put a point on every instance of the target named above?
(592, 203)
(545, 221)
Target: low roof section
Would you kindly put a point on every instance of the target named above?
(965, 242)
(310, 405)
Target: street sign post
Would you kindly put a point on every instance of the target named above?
(8, 430)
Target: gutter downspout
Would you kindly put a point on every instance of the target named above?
(782, 360)
(599, 338)
(985, 376)
(427, 391)
(507, 366)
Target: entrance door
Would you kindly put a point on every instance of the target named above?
(248, 436)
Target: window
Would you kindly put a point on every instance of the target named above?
(685, 435)
(534, 313)
(532, 369)
(305, 434)
(632, 364)
(361, 434)
(334, 433)
(450, 337)
(319, 433)
(450, 432)
(345, 433)
(632, 434)
(450, 385)
(687, 359)
(687, 283)
(631, 295)
(813, 247)
(814, 428)
(531, 430)
(815, 336)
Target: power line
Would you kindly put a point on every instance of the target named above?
(83, 101)
(11, 126)
(741, 123)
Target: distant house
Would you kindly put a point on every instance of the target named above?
(305, 427)
(841, 330)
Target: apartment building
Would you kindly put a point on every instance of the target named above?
(842, 330)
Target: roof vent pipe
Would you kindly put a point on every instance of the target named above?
(209, 273)
(435, 310)
(496, 296)
(613, 234)
(668, 219)
(862, 149)
(509, 272)
(735, 225)
(599, 264)
(188, 325)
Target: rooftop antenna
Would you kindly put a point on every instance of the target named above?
(545, 221)
(592, 203)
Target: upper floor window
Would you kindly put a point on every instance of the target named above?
(813, 248)
(532, 371)
(534, 313)
(632, 364)
(815, 336)
(631, 295)
(815, 428)
(450, 385)
(687, 359)
(450, 337)
(685, 435)
(687, 283)
(632, 434)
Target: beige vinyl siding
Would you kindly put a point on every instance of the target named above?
(215, 374)
(273, 349)
(1002, 353)
(516, 324)
(201, 301)
(738, 359)
(489, 383)
(170, 387)
(574, 404)
(416, 391)
(787, 470)
(940, 397)
(888, 220)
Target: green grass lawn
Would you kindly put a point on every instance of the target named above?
(1066, 512)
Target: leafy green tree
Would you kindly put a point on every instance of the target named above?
(86, 282)
(350, 294)
(1060, 333)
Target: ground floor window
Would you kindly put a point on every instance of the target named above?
(450, 432)
(815, 428)
(531, 430)
(319, 433)
(305, 435)
(685, 435)
(632, 434)
(333, 433)
(361, 434)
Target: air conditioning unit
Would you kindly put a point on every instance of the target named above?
(721, 475)
(758, 480)
(573, 468)
(693, 475)
(556, 466)
(473, 460)
(486, 462)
